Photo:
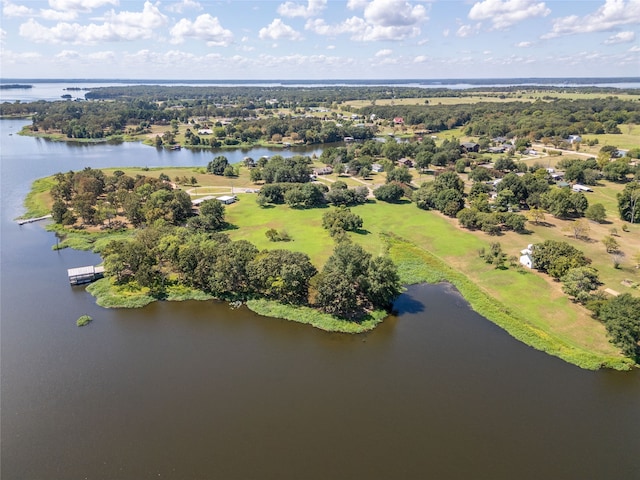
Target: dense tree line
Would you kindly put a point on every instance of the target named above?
(94, 197)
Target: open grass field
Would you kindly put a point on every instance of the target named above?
(493, 97)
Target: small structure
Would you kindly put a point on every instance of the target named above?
(80, 275)
(205, 131)
(469, 147)
(227, 199)
(581, 188)
(405, 162)
(198, 201)
(574, 139)
(327, 170)
(376, 167)
(525, 257)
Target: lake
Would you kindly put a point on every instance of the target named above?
(198, 390)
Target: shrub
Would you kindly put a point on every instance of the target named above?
(83, 320)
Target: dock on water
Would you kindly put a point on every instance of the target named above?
(80, 275)
(22, 221)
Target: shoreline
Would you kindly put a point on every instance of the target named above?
(416, 265)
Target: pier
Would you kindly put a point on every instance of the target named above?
(22, 221)
(80, 275)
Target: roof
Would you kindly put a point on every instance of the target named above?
(75, 272)
(198, 201)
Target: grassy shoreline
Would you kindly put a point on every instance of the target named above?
(416, 265)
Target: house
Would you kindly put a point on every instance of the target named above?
(227, 199)
(398, 121)
(469, 147)
(327, 170)
(581, 188)
(205, 131)
(574, 139)
(557, 176)
(348, 139)
(498, 149)
(376, 167)
(526, 258)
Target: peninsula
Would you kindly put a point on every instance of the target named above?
(487, 188)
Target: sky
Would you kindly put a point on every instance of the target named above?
(319, 39)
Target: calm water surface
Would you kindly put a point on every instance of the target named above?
(196, 390)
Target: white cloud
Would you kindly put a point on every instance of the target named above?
(446, 32)
(382, 20)
(524, 44)
(384, 53)
(468, 30)
(421, 59)
(505, 13)
(613, 14)
(3, 36)
(49, 14)
(80, 5)
(394, 13)
(621, 37)
(635, 48)
(278, 30)
(205, 27)
(101, 57)
(184, 5)
(66, 55)
(12, 10)
(118, 26)
(291, 9)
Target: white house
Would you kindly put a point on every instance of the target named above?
(574, 139)
(525, 257)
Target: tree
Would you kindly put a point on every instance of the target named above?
(617, 170)
(556, 258)
(211, 217)
(621, 317)
(351, 282)
(535, 215)
(339, 220)
(282, 275)
(391, 192)
(400, 175)
(596, 212)
(218, 165)
(611, 244)
(629, 203)
(495, 255)
(580, 228)
(580, 282)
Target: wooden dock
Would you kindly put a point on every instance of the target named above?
(80, 275)
(22, 221)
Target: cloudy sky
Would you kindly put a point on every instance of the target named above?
(319, 39)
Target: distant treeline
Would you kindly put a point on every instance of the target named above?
(4, 86)
(255, 116)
